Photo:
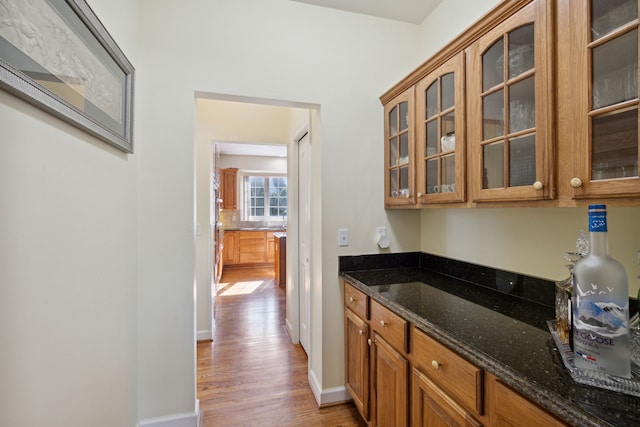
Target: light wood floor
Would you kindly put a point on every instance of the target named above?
(251, 374)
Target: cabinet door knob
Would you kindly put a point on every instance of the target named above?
(360, 331)
(419, 195)
(575, 182)
(351, 299)
(369, 341)
(382, 323)
(537, 185)
(435, 364)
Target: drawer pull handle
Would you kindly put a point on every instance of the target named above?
(382, 323)
(435, 364)
(369, 341)
(351, 299)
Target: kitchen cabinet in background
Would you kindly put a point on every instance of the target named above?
(247, 247)
(230, 254)
(228, 188)
(279, 257)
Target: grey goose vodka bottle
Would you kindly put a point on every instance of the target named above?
(601, 305)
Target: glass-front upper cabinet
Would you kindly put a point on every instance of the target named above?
(606, 64)
(399, 186)
(511, 108)
(440, 118)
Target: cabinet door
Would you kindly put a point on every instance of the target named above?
(390, 389)
(399, 185)
(271, 247)
(229, 178)
(357, 361)
(440, 121)
(512, 409)
(605, 65)
(511, 108)
(432, 407)
(230, 247)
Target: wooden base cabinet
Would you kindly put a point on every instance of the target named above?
(230, 255)
(390, 385)
(357, 361)
(398, 375)
(432, 407)
(513, 409)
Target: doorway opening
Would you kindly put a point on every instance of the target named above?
(223, 123)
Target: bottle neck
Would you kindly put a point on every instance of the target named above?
(598, 243)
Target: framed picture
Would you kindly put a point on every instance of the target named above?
(57, 55)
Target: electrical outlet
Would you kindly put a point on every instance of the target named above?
(343, 237)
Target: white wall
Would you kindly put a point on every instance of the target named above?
(282, 50)
(68, 277)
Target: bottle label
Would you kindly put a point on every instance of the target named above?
(597, 218)
(600, 332)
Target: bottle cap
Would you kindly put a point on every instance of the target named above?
(597, 218)
(597, 208)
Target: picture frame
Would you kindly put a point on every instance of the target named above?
(57, 55)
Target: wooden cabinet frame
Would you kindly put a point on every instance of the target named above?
(539, 13)
(410, 198)
(455, 65)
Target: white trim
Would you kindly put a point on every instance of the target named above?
(204, 335)
(186, 419)
(304, 129)
(290, 331)
(327, 396)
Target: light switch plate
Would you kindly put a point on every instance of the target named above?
(343, 237)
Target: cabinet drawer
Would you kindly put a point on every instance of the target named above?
(251, 257)
(356, 301)
(458, 377)
(252, 234)
(392, 327)
(252, 245)
(513, 409)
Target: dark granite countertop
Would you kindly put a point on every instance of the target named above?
(494, 318)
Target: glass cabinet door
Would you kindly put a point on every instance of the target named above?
(399, 148)
(512, 108)
(607, 99)
(440, 135)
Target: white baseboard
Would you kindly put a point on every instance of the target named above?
(204, 335)
(186, 419)
(328, 396)
(289, 328)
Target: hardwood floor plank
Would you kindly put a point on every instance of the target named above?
(251, 374)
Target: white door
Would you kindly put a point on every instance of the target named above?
(304, 239)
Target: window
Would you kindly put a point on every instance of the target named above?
(265, 197)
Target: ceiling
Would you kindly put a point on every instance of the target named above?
(411, 11)
(243, 149)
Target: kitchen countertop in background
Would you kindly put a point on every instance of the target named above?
(494, 318)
